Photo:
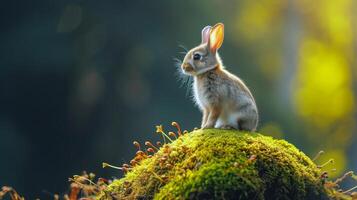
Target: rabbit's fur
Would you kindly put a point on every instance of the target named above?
(224, 99)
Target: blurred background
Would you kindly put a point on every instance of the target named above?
(81, 80)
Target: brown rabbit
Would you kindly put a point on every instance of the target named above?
(224, 99)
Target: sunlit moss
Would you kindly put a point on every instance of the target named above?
(221, 164)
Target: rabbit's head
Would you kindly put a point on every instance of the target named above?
(204, 57)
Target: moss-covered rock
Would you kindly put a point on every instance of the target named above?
(222, 164)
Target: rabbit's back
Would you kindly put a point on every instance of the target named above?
(219, 88)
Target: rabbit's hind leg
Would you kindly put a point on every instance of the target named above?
(247, 124)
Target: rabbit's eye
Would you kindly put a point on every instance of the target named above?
(196, 56)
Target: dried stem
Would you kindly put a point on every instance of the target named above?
(326, 163)
(104, 165)
(350, 190)
(149, 144)
(318, 155)
(175, 124)
(343, 177)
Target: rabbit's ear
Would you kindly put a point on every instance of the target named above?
(205, 34)
(216, 37)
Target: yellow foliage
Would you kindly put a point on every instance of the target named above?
(324, 94)
(331, 18)
(270, 64)
(258, 18)
(322, 91)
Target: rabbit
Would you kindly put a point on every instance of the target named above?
(223, 98)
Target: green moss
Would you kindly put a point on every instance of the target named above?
(222, 164)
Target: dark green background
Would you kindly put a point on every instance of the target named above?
(81, 80)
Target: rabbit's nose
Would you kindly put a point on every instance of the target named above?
(187, 67)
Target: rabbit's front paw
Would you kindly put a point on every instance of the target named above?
(207, 125)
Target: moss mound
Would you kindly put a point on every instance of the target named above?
(221, 164)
